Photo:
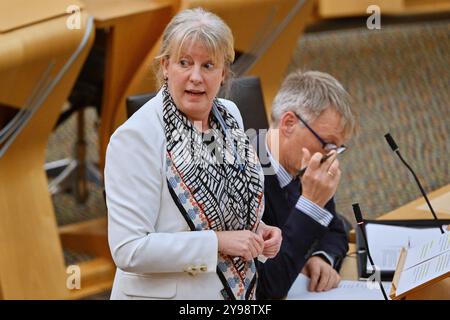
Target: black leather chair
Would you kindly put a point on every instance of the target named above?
(246, 92)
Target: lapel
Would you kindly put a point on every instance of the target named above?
(277, 210)
(157, 102)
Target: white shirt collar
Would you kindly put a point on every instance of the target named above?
(284, 177)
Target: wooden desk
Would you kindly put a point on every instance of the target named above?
(413, 210)
(133, 27)
(31, 257)
(346, 8)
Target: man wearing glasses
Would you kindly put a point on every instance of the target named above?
(311, 120)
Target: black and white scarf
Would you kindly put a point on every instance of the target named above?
(216, 184)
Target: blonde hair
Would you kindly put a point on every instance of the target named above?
(197, 25)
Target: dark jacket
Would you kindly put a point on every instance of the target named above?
(302, 236)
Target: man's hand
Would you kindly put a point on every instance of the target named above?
(320, 181)
(272, 239)
(243, 243)
(323, 276)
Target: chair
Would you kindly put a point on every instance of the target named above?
(73, 173)
(245, 92)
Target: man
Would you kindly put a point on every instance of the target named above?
(311, 117)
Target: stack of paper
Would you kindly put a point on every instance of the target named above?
(386, 243)
(347, 290)
(424, 263)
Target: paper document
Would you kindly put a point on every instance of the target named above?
(427, 250)
(347, 290)
(423, 272)
(386, 242)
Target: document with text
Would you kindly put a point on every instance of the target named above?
(346, 290)
(386, 243)
(424, 263)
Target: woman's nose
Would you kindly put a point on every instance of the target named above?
(196, 75)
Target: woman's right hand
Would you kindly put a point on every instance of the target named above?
(242, 243)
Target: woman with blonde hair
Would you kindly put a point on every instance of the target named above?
(184, 188)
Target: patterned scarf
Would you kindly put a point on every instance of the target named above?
(216, 184)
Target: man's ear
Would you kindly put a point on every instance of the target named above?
(287, 124)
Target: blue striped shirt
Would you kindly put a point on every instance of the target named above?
(313, 210)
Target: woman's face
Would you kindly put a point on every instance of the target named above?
(194, 80)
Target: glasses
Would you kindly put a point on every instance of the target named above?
(326, 146)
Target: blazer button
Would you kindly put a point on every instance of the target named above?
(191, 270)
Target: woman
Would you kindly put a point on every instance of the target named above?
(184, 191)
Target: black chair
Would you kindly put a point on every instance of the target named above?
(73, 174)
(246, 92)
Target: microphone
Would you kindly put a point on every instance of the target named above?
(395, 148)
(360, 222)
(391, 142)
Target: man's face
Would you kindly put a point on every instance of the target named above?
(327, 126)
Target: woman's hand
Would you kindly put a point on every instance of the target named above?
(272, 239)
(243, 243)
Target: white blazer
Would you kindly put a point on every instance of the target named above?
(156, 254)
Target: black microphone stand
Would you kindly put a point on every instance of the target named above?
(395, 148)
(360, 222)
